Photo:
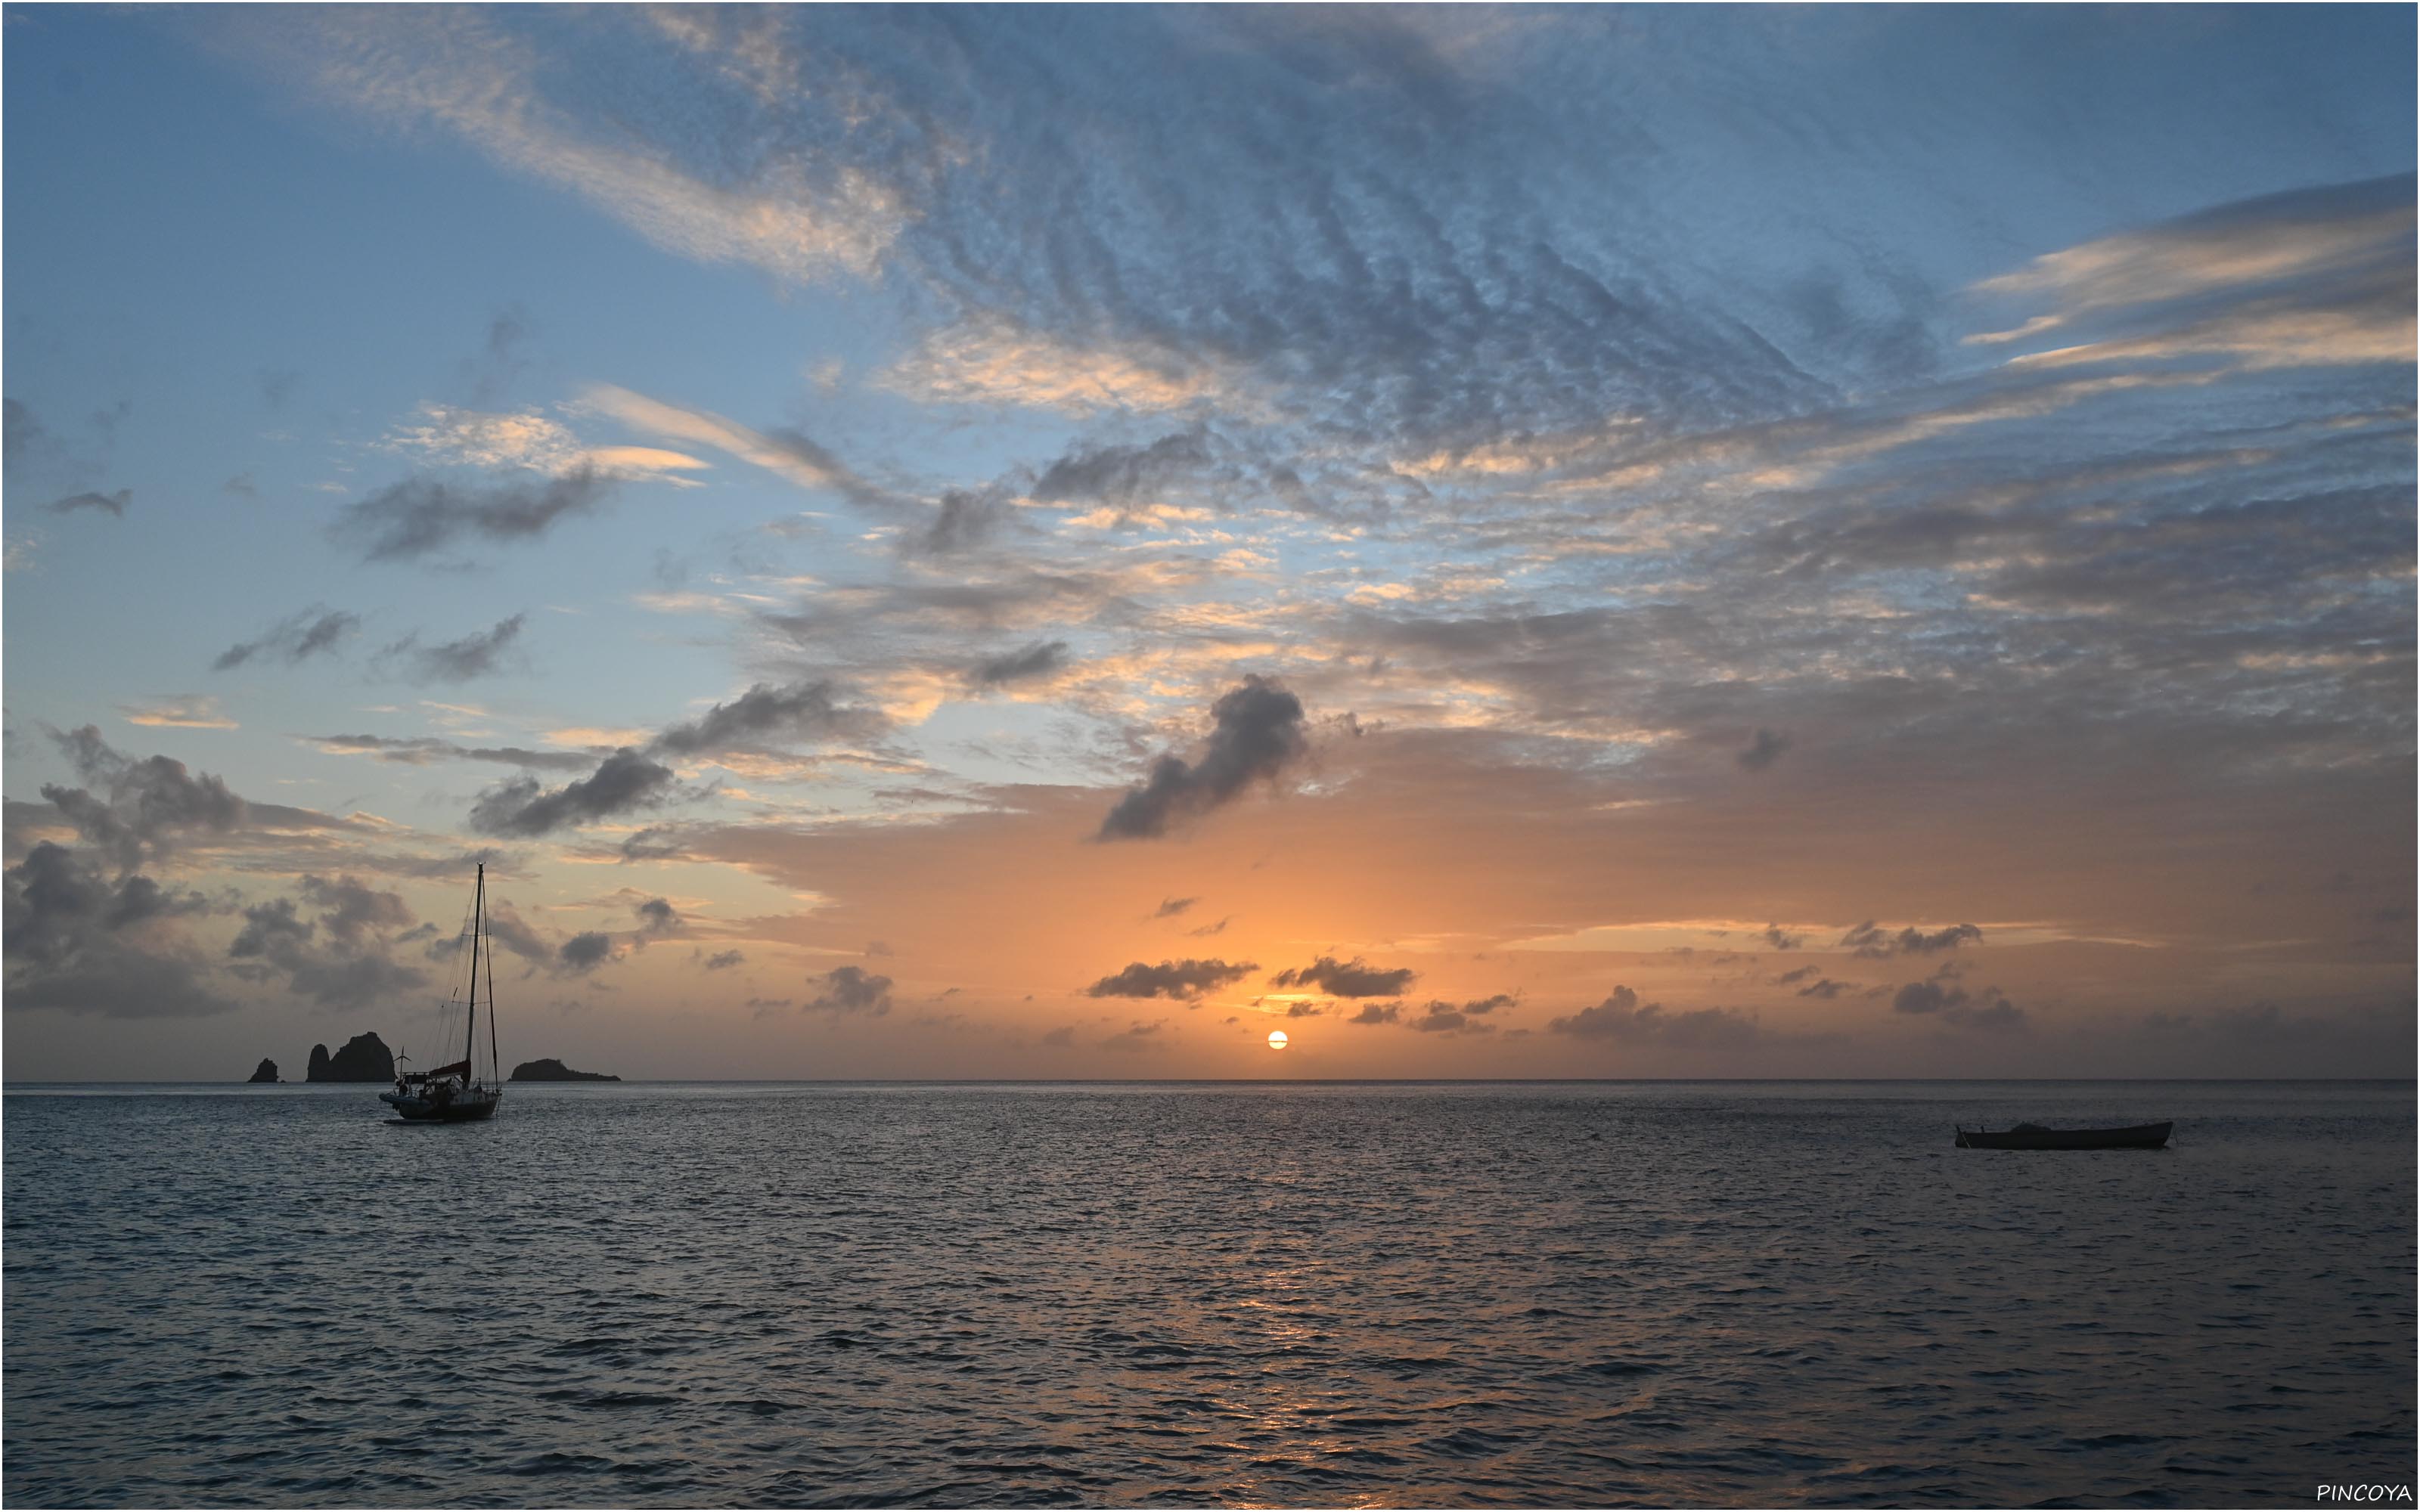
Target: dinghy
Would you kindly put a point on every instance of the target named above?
(2033, 1136)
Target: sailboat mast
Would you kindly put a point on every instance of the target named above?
(470, 1030)
(494, 1065)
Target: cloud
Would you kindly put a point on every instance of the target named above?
(801, 216)
(850, 989)
(2313, 276)
(22, 435)
(410, 521)
(623, 782)
(961, 521)
(271, 929)
(649, 845)
(1825, 988)
(130, 984)
(79, 945)
(420, 750)
(657, 916)
(1925, 997)
(722, 961)
(455, 661)
(1763, 750)
(191, 712)
(1349, 978)
(352, 911)
(60, 911)
(1124, 477)
(1004, 595)
(1170, 907)
(110, 503)
(1137, 1036)
(786, 453)
(150, 804)
(1184, 980)
(1989, 1011)
(807, 710)
(1062, 1036)
(469, 437)
(1623, 1019)
(360, 925)
(507, 928)
(1438, 1016)
(1445, 1018)
(1044, 658)
(502, 361)
(1258, 734)
(995, 361)
(354, 981)
(449, 437)
(295, 639)
(1872, 944)
(585, 951)
(1780, 939)
(1393, 311)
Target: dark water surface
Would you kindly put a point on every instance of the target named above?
(1334, 1295)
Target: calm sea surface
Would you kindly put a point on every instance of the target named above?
(1331, 1295)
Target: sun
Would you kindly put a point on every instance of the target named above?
(1277, 1039)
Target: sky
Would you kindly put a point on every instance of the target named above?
(1053, 542)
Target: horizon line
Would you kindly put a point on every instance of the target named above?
(1223, 1081)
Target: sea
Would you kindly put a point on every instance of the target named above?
(1188, 1295)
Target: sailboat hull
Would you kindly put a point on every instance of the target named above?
(463, 1108)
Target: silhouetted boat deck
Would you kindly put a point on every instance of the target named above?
(2033, 1136)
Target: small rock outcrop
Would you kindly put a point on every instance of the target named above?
(555, 1070)
(365, 1059)
(267, 1072)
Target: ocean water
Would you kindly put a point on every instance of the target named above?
(1340, 1295)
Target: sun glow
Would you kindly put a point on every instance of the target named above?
(1277, 1039)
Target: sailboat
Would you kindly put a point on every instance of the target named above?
(455, 1093)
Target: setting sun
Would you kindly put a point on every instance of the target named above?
(1277, 1039)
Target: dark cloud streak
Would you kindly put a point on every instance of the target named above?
(295, 638)
(623, 782)
(417, 518)
(1355, 978)
(1183, 980)
(1257, 734)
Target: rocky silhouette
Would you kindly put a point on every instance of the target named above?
(365, 1059)
(555, 1070)
(267, 1070)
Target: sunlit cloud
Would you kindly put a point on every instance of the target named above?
(459, 73)
(191, 712)
(2285, 237)
(442, 435)
(788, 455)
(996, 363)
